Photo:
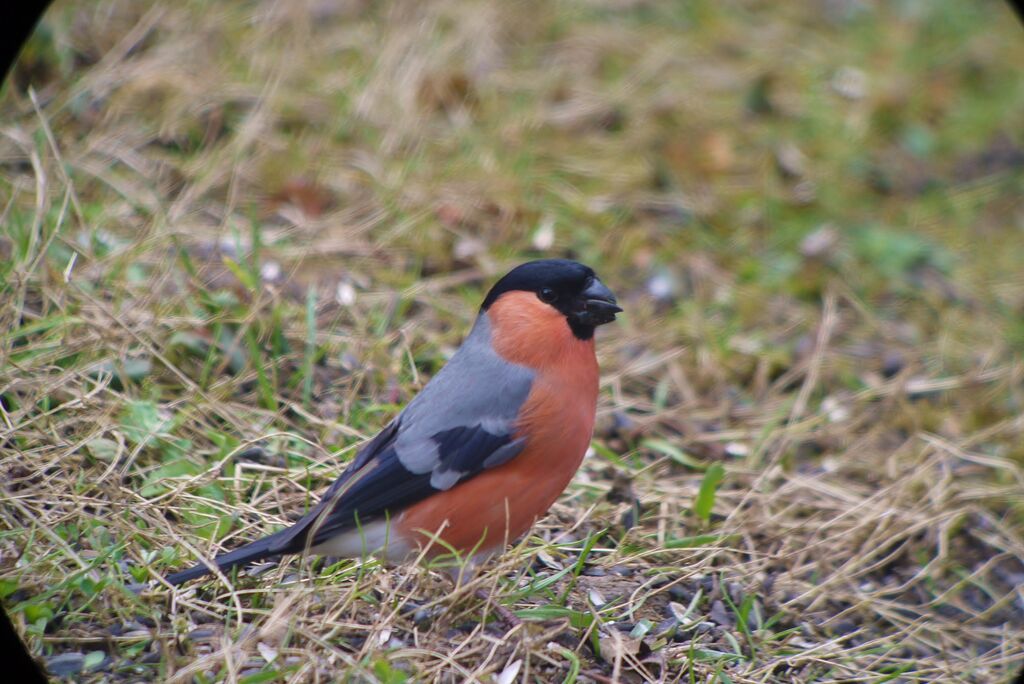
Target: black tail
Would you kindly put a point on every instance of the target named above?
(257, 550)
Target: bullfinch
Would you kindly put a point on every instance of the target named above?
(484, 449)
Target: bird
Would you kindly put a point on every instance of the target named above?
(483, 450)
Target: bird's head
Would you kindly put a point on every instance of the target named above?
(559, 285)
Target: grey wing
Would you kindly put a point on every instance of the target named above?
(461, 423)
(476, 391)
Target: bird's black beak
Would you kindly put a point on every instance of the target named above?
(598, 305)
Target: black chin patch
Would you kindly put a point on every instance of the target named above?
(580, 330)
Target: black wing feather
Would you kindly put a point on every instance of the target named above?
(386, 487)
(465, 448)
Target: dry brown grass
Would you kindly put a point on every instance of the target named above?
(264, 224)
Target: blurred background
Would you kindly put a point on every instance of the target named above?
(226, 221)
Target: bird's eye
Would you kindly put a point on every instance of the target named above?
(546, 294)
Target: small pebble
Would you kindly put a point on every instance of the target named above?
(266, 652)
(254, 453)
(805, 192)
(270, 271)
(468, 247)
(666, 627)
(892, 364)
(844, 627)
(836, 411)
(705, 627)
(680, 593)
(423, 617)
(345, 293)
(622, 421)
(790, 161)
(65, 664)
(410, 607)
(677, 612)
(544, 236)
(820, 242)
(737, 449)
(719, 615)
(200, 635)
(663, 287)
(850, 83)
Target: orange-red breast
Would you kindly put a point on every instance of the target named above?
(488, 444)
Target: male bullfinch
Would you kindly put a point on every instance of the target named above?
(484, 449)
